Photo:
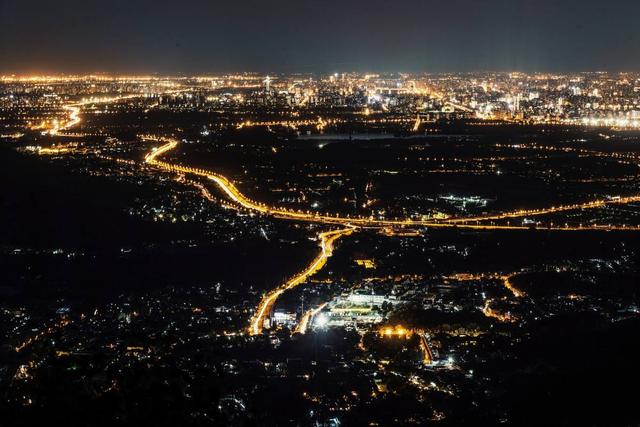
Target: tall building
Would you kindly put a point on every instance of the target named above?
(267, 84)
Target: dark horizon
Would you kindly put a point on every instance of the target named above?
(320, 37)
(288, 74)
(321, 213)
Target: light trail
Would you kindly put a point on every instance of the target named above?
(238, 197)
(74, 119)
(75, 109)
(47, 331)
(327, 239)
(554, 209)
(306, 319)
(517, 293)
(418, 122)
(490, 312)
(506, 281)
(427, 354)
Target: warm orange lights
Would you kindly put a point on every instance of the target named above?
(398, 331)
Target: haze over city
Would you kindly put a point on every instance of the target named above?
(202, 36)
(319, 213)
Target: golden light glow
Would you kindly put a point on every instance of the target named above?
(327, 240)
(464, 223)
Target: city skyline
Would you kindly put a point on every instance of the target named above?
(319, 213)
(348, 249)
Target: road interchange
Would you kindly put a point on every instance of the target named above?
(348, 224)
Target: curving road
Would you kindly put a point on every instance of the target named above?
(238, 197)
(327, 239)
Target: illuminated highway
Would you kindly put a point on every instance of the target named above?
(47, 331)
(74, 119)
(487, 310)
(554, 209)
(506, 281)
(75, 109)
(517, 293)
(327, 239)
(427, 354)
(490, 312)
(238, 197)
(307, 318)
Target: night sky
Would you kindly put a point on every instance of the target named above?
(199, 36)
